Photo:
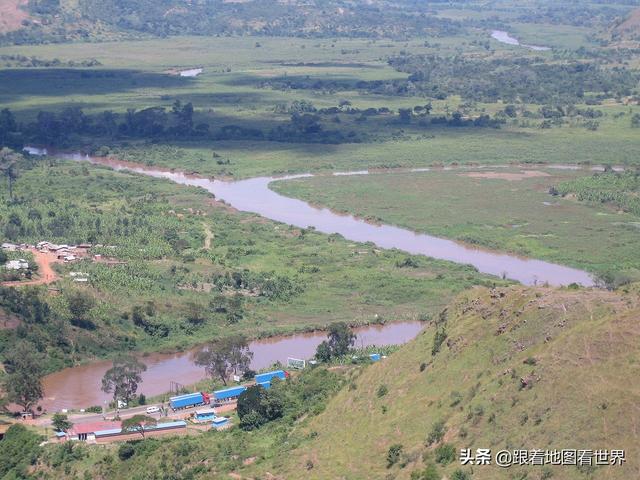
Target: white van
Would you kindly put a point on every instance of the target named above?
(153, 409)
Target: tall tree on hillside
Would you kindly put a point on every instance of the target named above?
(123, 378)
(225, 356)
(8, 166)
(22, 384)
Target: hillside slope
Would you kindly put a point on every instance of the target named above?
(12, 14)
(628, 28)
(519, 369)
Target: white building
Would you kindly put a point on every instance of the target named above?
(20, 264)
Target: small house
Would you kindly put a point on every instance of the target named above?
(20, 264)
(220, 423)
(204, 415)
(88, 431)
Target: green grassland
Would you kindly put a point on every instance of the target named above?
(519, 216)
(289, 280)
(232, 90)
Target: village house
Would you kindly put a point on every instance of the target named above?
(20, 264)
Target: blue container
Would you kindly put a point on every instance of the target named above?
(374, 357)
(267, 377)
(229, 393)
(184, 401)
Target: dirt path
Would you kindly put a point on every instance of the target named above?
(46, 274)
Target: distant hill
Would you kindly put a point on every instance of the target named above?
(628, 28)
(519, 369)
(60, 20)
(12, 14)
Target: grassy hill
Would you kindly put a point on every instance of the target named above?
(520, 368)
(628, 28)
(514, 368)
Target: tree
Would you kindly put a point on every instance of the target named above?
(19, 451)
(339, 341)
(405, 115)
(123, 378)
(139, 424)
(80, 303)
(257, 406)
(61, 422)
(22, 384)
(8, 165)
(225, 356)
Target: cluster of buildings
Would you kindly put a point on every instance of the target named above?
(66, 253)
(16, 264)
(107, 432)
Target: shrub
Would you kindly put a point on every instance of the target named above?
(460, 475)
(393, 455)
(438, 340)
(429, 473)
(382, 391)
(456, 398)
(445, 454)
(437, 432)
(126, 451)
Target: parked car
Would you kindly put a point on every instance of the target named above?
(153, 409)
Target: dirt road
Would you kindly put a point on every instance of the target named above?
(46, 274)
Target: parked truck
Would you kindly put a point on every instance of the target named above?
(267, 377)
(189, 400)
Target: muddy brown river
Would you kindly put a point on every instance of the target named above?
(79, 386)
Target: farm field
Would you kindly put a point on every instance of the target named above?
(250, 87)
(506, 209)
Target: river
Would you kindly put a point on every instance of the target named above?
(504, 37)
(254, 195)
(79, 387)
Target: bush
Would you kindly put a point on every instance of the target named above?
(460, 475)
(126, 451)
(393, 455)
(382, 391)
(18, 450)
(445, 454)
(437, 432)
(438, 340)
(429, 473)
